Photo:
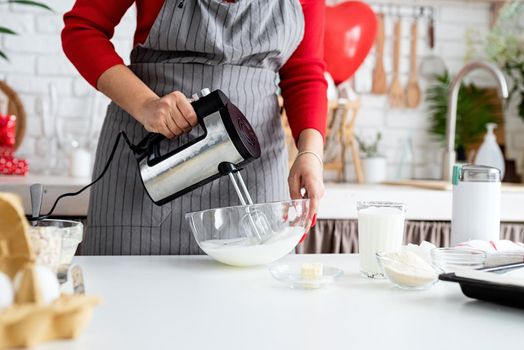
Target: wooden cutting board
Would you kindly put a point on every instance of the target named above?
(446, 186)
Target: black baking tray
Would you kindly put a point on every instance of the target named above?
(508, 295)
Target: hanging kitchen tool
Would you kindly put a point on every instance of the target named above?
(431, 65)
(413, 88)
(396, 91)
(379, 74)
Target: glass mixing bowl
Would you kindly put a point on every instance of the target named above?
(250, 235)
(452, 259)
(408, 277)
(55, 242)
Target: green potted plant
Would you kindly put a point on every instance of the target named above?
(8, 31)
(476, 108)
(504, 44)
(374, 164)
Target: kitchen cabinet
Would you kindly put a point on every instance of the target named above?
(192, 302)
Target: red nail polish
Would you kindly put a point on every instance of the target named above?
(303, 238)
(314, 220)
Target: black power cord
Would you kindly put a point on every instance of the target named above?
(134, 148)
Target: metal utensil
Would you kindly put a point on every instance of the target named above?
(37, 194)
(431, 65)
(77, 277)
(396, 91)
(253, 220)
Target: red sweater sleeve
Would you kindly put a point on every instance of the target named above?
(86, 36)
(302, 77)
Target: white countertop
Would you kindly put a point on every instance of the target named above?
(193, 303)
(338, 202)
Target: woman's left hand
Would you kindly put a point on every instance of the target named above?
(307, 172)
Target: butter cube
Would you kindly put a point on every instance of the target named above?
(311, 272)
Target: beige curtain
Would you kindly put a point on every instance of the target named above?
(340, 236)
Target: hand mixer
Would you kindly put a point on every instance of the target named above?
(228, 143)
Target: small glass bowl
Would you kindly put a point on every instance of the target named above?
(290, 275)
(55, 243)
(407, 277)
(452, 259)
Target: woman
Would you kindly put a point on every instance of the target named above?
(181, 46)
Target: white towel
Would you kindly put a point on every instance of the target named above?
(498, 252)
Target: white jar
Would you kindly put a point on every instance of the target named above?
(374, 169)
(80, 163)
(476, 204)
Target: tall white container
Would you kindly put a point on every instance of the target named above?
(476, 204)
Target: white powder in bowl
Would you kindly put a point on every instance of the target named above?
(46, 242)
(407, 269)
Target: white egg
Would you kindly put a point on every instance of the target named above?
(47, 283)
(7, 292)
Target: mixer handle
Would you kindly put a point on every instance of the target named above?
(226, 168)
(203, 107)
(149, 141)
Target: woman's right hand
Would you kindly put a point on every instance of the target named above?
(171, 115)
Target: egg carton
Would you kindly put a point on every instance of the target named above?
(28, 324)
(15, 249)
(30, 321)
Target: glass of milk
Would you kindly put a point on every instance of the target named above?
(380, 229)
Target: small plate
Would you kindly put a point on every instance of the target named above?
(290, 275)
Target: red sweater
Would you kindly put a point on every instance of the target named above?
(90, 25)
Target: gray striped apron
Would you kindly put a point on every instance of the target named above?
(194, 44)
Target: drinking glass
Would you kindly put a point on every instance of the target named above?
(380, 229)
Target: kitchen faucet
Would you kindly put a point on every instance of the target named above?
(453, 93)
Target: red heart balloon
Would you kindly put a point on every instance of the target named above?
(350, 33)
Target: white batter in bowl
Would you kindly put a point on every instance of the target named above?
(224, 235)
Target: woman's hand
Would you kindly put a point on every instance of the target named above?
(307, 171)
(171, 115)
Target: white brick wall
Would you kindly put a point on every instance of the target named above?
(452, 20)
(36, 59)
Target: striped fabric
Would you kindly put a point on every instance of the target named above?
(236, 47)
